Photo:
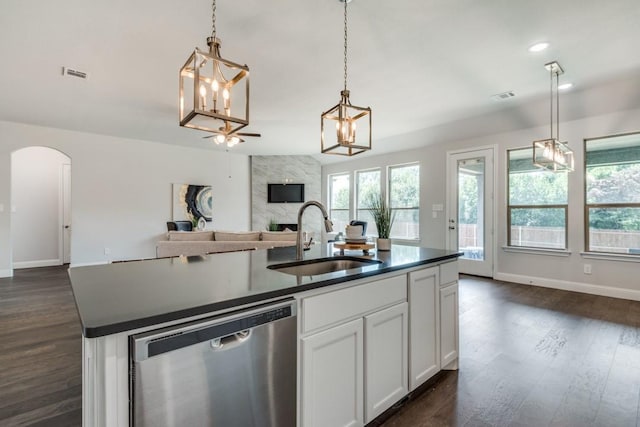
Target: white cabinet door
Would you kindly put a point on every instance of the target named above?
(424, 325)
(449, 325)
(385, 353)
(332, 382)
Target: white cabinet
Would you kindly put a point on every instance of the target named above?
(386, 337)
(424, 325)
(366, 346)
(348, 335)
(332, 373)
(449, 326)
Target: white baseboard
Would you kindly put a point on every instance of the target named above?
(6, 273)
(587, 288)
(33, 264)
(85, 264)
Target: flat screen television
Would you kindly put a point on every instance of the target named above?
(286, 193)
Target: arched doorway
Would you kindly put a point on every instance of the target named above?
(40, 207)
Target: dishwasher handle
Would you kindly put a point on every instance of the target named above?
(220, 330)
(230, 341)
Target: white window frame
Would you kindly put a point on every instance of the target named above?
(631, 252)
(388, 198)
(356, 202)
(510, 207)
(330, 207)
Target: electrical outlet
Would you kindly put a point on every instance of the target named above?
(587, 268)
(107, 251)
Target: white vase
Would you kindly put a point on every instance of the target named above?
(383, 244)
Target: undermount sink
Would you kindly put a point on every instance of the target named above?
(323, 265)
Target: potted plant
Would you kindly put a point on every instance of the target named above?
(273, 225)
(384, 217)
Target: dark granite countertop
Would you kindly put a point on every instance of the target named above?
(119, 297)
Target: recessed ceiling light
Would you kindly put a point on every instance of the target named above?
(538, 47)
(565, 86)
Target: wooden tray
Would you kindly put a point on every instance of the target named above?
(364, 247)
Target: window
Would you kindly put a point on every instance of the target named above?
(339, 200)
(612, 194)
(537, 205)
(404, 199)
(367, 187)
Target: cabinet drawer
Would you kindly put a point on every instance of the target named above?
(334, 307)
(448, 272)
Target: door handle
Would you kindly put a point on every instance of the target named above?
(66, 226)
(451, 227)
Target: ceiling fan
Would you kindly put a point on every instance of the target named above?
(230, 138)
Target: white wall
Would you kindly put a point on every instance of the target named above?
(121, 190)
(610, 277)
(36, 183)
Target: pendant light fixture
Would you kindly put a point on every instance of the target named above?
(214, 92)
(338, 124)
(551, 154)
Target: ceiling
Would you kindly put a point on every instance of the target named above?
(427, 68)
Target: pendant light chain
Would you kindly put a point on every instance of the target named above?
(556, 73)
(551, 100)
(557, 106)
(213, 20)
(345, 44)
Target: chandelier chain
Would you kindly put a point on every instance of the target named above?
(557, 106)
(345, 44)
(551, 100)
(213, 20)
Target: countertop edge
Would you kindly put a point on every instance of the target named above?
(115, 328)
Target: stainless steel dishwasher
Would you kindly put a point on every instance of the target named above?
(238, 369)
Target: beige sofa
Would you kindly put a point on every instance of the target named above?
(206, 242)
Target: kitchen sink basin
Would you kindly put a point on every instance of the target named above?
(323, 265)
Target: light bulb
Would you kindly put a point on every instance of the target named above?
(227, 102)
(215, 85)
(220, 139)
(235, 140)
(203, 97)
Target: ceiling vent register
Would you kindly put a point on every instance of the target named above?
(70, 72)
(503, 96)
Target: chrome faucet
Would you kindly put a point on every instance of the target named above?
(328, 225)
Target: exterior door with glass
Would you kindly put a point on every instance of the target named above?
(470, 206)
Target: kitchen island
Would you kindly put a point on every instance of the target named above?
(410, 293)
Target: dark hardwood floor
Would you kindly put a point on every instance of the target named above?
(529, 356)
(532, 356)
(40, 350)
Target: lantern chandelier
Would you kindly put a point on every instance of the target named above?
(214, 92)
(341, 138)
(551, 154)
